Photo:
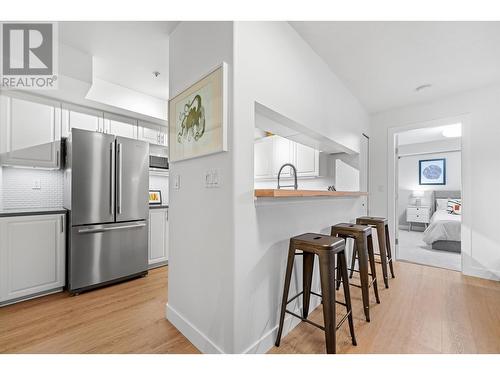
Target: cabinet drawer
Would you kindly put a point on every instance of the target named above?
(418, 218)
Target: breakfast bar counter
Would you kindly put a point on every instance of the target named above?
(288, 193)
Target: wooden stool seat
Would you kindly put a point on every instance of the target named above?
(363, 245)
(384, 243)
(326, 248)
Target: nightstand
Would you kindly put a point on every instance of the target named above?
(420, 214)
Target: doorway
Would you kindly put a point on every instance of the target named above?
(428, 195)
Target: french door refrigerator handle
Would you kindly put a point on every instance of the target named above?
(107, 229)
(119, 190)
(112, 178)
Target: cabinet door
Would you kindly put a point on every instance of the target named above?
(74, 117)
(306, 160)
(283, 153)
(153, 133)
(120, 126)
(158, 235)
(29, 127)
(263, 158)
(32, 255)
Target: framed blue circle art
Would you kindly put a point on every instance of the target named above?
(432, 172)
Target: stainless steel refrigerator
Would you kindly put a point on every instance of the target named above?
(106, 183)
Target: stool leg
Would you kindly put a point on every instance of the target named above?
(383, 254)
(338, 278)
(342, 265)
(353, 259)
(389, 252)
(327, 271)
(307, 274)
(286, 288)
(361, 244)
(371, 257)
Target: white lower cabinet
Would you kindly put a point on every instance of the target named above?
(158, 237)
(32, 255)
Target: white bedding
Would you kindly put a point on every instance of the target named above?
(443, 226)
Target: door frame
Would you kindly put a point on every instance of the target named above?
(392, 179)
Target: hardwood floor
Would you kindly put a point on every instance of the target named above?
(425, 310)
(124, 318)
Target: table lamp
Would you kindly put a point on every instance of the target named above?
(418, 195)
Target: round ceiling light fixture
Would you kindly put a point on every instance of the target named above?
(423, 87)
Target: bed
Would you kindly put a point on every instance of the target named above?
(444, 230)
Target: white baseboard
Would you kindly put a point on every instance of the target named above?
(205, 345)
(267, 341)
(194, 335)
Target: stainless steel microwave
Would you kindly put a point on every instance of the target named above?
(159, 162)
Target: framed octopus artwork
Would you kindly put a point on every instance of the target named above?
(432, 172)
(198, 117)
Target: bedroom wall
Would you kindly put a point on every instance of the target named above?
(480, 113)
(409, 173)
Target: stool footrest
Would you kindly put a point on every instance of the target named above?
(359, 286)
(316, 324)
(353, 270)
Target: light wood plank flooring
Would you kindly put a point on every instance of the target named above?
(124, 318)
(425, 310)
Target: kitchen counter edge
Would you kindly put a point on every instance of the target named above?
(283, 193)
(32, 211)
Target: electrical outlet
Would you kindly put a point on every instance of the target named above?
(37, 184)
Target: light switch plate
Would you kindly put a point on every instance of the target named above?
(177, 182)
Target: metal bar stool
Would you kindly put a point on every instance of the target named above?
(363, 245)
(384, 244)
(325, 247)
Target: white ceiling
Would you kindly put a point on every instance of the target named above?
(383, 62)
(131, 50)
(425, 135)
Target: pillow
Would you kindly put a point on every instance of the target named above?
(455, 206)
(441, 204)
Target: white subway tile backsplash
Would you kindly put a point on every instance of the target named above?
(16, 188)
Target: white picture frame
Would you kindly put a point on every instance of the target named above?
(198, 117)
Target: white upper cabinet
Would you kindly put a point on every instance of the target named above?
(306, 160)
(263, 158)
(28, 127)
(270, 153)
(283, 154)
(120, 126)
(32, 255)
(81, 118)
(153, 133)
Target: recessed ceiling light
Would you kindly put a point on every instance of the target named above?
(156, 74)
(452, 131)
(423, 87)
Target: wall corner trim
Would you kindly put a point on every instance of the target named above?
(193, 334)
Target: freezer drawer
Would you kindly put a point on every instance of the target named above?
(102, 253)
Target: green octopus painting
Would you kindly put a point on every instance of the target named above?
(192, 121)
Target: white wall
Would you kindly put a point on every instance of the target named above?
(201, 221)
(276, 68)
(159, 182)
(227, 252)
(480, 172)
